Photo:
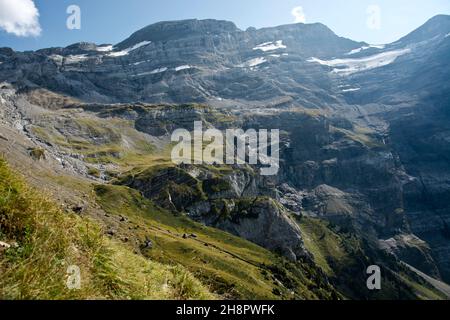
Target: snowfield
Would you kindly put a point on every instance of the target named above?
(351, 90)
(253, 62)
(375, 46)
(270, 46)
(105, 48)
(184, 67)
(128, 50)
(159, 70)
(345, 67)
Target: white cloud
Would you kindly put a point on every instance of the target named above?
(299, 14)
(19, 17)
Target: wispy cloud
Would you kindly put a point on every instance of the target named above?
(19, 17)
(299, 14)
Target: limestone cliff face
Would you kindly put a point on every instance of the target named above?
(181, 61)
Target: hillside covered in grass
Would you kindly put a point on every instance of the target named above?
(44, 242)
(183, 259)
(231, 266)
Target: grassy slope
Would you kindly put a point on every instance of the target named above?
(231, 266)
(48, 241)
(175, 268)
(343, 256)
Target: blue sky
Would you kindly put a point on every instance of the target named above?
(110, 21)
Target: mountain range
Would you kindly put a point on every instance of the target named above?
(364, 175)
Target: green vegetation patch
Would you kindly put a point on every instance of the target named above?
(344, 257)
(230, 266)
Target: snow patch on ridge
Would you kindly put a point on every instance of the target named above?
(351, 89)
(140, 62)
(156, 71)
(347, 67)
(375, 46)
(270, 46)
(128, 50)
(105, 48)
(159, 70)
(184, 67)
(253, 62)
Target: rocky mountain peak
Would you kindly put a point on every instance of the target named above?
(437, 26)
(174, 30)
